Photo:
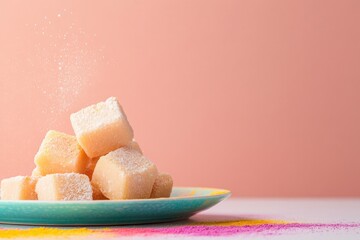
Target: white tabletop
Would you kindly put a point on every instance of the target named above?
(332, 216)
(320, 210)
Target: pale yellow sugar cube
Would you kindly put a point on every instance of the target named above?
(162, 187)
(101, 128)
(135, 145)
(60, 153)
(18, 188)
(36, 173)
(64, 187)
(124, 174)
(89, 169)
(97, 194)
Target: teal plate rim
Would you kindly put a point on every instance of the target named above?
(183, 203)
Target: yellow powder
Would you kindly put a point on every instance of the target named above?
(43, 232)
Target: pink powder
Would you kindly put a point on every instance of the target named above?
(264, 229)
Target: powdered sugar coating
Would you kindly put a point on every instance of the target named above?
(65, 187)
(125, 174)
(102, 128)
(74, 186)
(59, 153)
(130, 160)
(97, 116)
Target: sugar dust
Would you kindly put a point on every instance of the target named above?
(65, 57)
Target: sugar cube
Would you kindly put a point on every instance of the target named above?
(135, 145)
(102, 127)
(97, 194)
(92, 162)
(162, 186)
(124, 174)
(60, 153)
(18, 188)
(65, 186)
(36, 172)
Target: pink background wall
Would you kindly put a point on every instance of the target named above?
(261, 97)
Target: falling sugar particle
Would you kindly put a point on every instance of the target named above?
(67, 59)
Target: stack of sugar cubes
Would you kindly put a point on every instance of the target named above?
(102, 161)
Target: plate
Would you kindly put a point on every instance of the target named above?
(183, 203)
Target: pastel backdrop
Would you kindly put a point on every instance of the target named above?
(260, 97)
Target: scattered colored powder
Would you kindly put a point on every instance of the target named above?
(208, 230)
(260, 227)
